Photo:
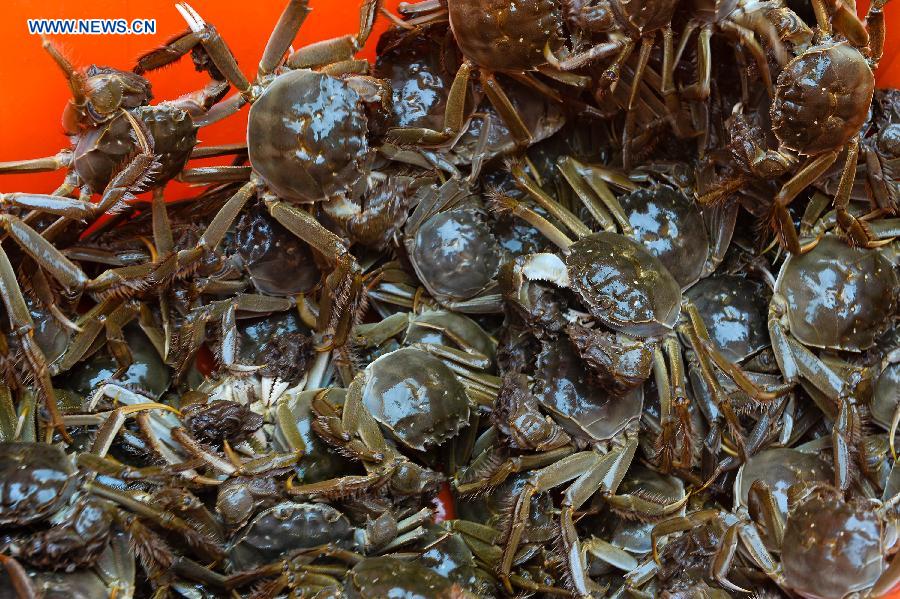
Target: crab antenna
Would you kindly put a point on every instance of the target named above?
(73, 75)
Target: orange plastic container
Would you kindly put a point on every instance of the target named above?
(33, 93)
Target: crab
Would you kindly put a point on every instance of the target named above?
(416, 395)
(812, 541)
(740, 21)
(812, 308)
(660, 217)
(503, 38)
(453, 250)
(112, 574)
(121, 143)
(725, 328)
(584, 442)
(42, 488)
(322, 161)
(821, 102)
(881, 151)
(271, 533)
(779, 468)
(631, 301)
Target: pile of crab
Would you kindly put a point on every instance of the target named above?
(556, 298)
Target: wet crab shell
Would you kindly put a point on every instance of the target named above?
(734, 310)
(838, 297)
(623, 285)
(886, 395)
(505, 35)
(415, 396)
(288, 527)
(643, 16)
(412, 62)
(779, 468)
(307, 136)
(667, 222)
(389, 576)
(36, 480)
(268, 250)
(455, 254)
(832, 548)
(584, 410)
(101, 151)
(822, 98)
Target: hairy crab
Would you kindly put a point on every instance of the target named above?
(297, 157)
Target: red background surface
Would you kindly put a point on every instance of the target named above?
(33, 92)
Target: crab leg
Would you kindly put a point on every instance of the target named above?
(114, 422)
(805, 177)
(23, 329)
(763, 507)
(591, 472)
(202, 545)
(749, 537)
(631, 113)
(18, 577)
(557, 210)
(675, 418)
(587, 196)
(876, 26)
(454, 116)
(679, 524)
(605, 475)
(748, 41)
(341, 305)
(339, 48)
(89, 327)
(597, 52)
(44, 253)
(173, 49)
(505, 108)
(554, 475)
(857, 230)
(844, 432)
(724, 557)
(509, 467)
(193, 332)
(115, 338)
(722, 401)
(216, 47)
(219, 225)
(62, 159)
(215, 174)
(844, 20)
(285, 31)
